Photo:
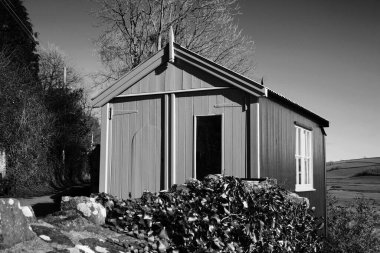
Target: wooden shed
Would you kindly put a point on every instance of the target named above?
(179, 115)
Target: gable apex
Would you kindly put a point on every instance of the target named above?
(130, 78)
(180, 55)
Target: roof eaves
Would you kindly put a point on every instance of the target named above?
(130, 78)
(219, 71)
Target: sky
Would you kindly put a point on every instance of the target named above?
(324, 55)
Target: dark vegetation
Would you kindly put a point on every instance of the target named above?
(353, 205)
(351, 228)
(375, 171)
(219, 214)
(45, 124)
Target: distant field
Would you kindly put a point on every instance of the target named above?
(349, 179)
(350, 168)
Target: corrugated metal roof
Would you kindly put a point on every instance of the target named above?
(277, 96)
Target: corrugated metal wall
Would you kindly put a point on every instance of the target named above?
(278, 138)
(135, 151)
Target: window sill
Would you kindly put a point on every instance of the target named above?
(304, 188)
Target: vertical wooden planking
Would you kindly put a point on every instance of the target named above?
(178, 79)
(169, 77)
(152, 144)
(181, 133)
(104, 149)
(135, 144)
(186, 80)
(244, 139)
(133, 125)
(116, 129)
(189, 131)
(158, 140)
(205, 84)
(136, 88)
(211, 104)
(166, 141)
(236, 141)
(228, 141)
(278, 150)
(136, 151)
(110, 151)
(145, 83)
(160, 79)
(195, 82)
(144, 135)
(206, 103)
(173, 148)
(254, 137)
(197, 106)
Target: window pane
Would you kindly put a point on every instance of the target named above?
(299, 170)
(299, 141)
(306, 144)
(297, 146)
(303, 156)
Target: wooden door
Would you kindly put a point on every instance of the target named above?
(136, 159)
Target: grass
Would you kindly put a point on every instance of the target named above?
(350, 179)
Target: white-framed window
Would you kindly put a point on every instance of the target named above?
(304, 159)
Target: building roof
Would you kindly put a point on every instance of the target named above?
(283, 100)
(183, 54)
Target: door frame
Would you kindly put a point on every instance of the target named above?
(195, 142)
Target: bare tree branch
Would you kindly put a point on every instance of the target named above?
(132, 29)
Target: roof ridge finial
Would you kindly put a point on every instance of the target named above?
(171, 44)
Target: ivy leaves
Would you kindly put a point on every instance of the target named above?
(219, 214)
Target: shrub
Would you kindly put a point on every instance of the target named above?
(351, 228)
(373, 171)
(25, 128)
(219, 214)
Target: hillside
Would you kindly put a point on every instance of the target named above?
(348, 179)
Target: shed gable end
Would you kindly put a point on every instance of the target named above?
(174, 78)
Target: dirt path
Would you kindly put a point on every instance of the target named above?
(45, 205)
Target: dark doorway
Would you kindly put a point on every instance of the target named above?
(208, 145)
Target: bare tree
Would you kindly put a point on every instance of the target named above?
(52, 62)
(66, 101)
(135, 29)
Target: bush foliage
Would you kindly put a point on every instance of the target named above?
(25, 124)
(39, 124)
(219, 214)
(351, 228)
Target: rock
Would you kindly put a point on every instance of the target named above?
(52, 235)
(70, 220)
(101, 246)
(192, 181)
(180, 188)
(213, 177)
(294, 197)
(87, 207)
(14, 223)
